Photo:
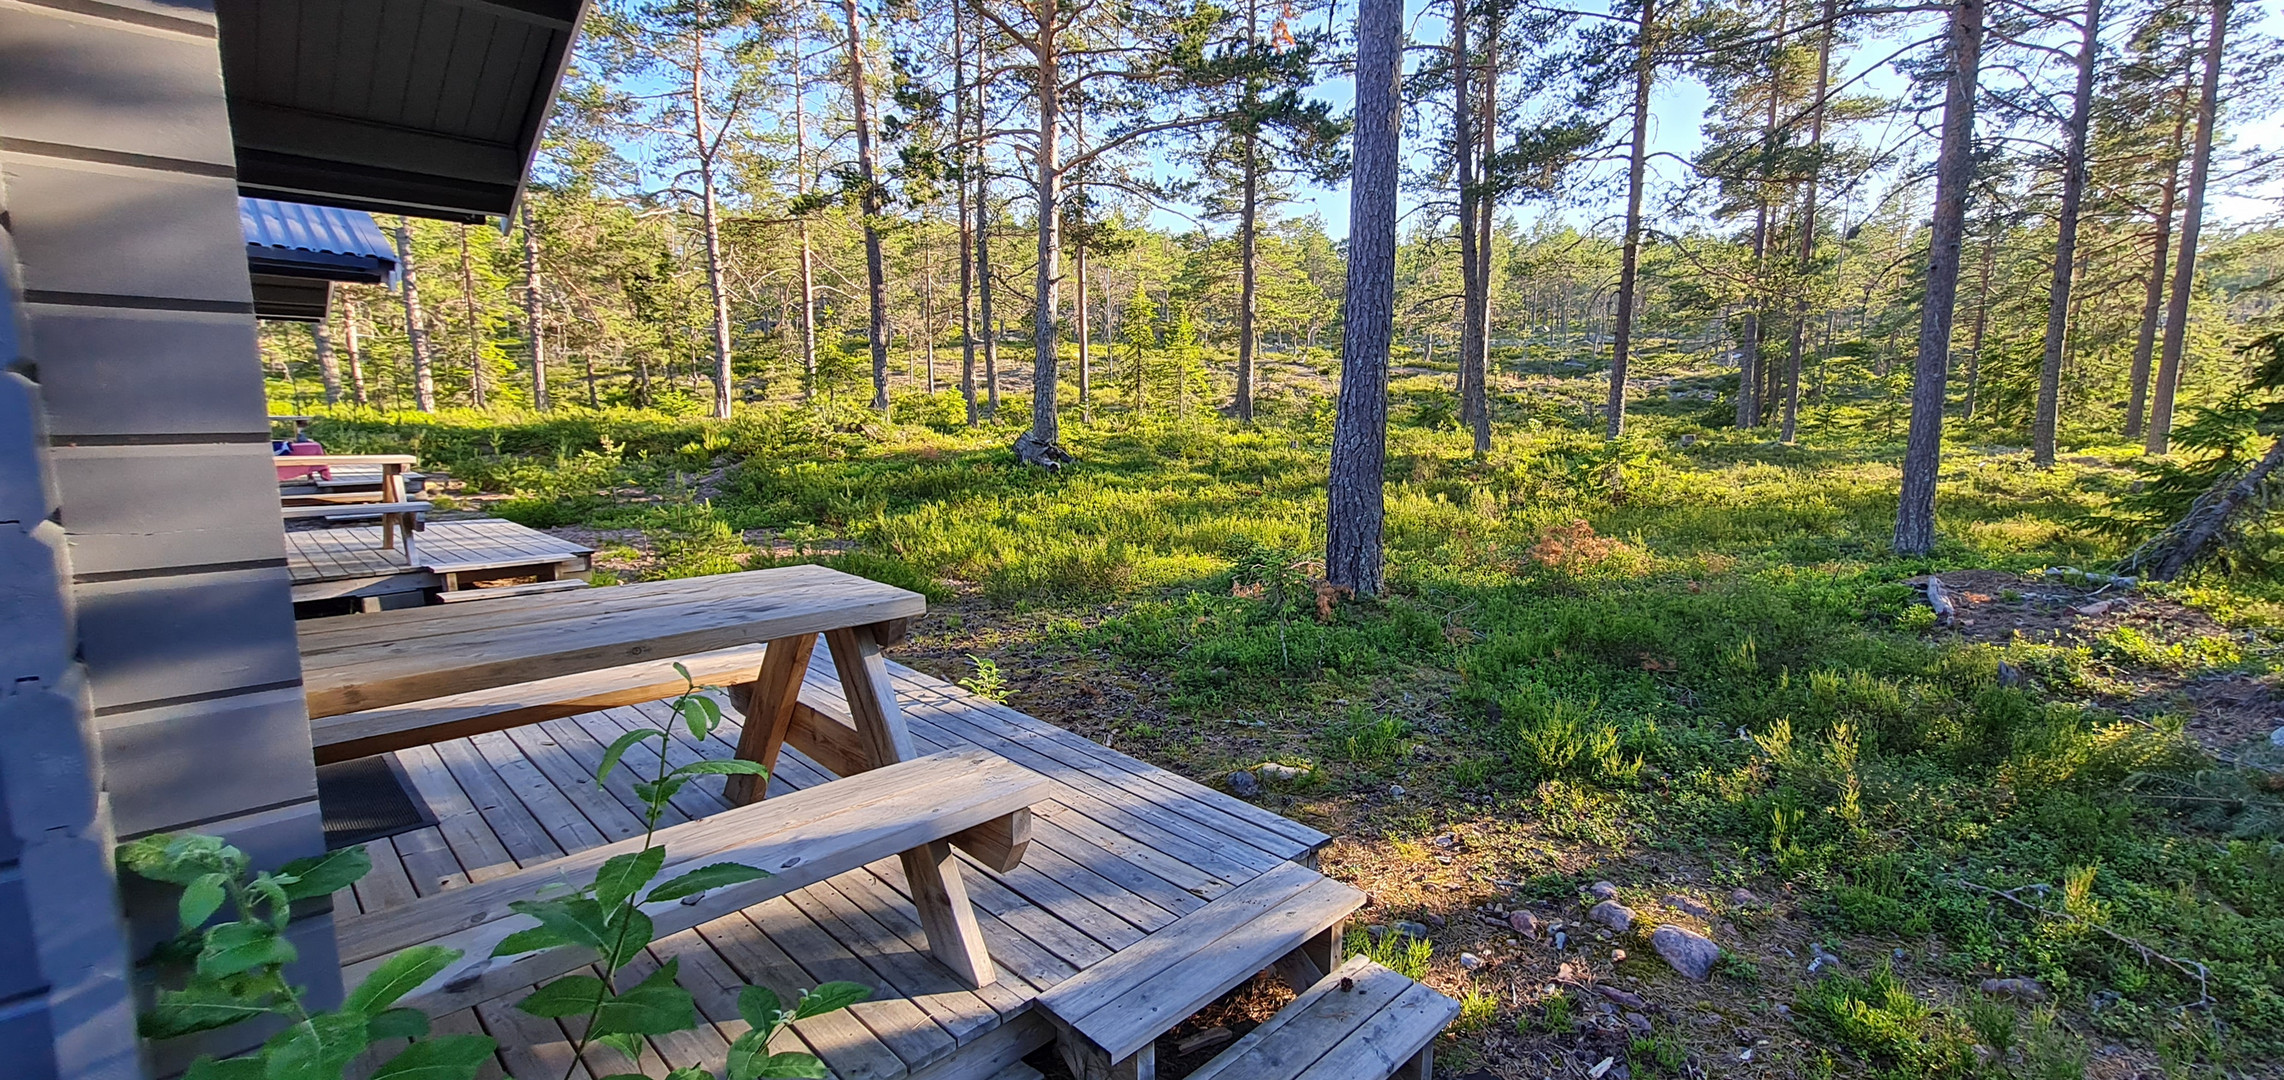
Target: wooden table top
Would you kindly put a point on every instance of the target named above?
(356, 662)
(317, 460)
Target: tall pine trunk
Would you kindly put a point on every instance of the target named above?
(1982, 318)
(477, 388)
(2192, 221)
(2066, 245)
(328, 368)
(1356, 503)
(1464, 147)
(415, 327)
(801, 187)
(965, 177)
(983, 283)
(354, 351)
(2153, 298)
(1248, 244)
(1790, 429)
(1954, 172)
(1479, 419)
(1047, 195)
(534, 328)
(709, 223)
(1629, 259)
(869, 201)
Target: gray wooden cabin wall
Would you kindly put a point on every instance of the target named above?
(176, 644)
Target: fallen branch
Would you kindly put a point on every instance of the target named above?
(2190, 968)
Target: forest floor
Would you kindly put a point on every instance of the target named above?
(1680, 670)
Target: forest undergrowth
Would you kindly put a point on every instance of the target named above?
(2046, 840)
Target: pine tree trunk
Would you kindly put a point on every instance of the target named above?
(534, 328)
(709, 222)
(983, 282)
(2065, 245)
(415, 328)
(870, 204)
(1629, 259)
(1480, 418)
(801, 187)
(1248, 244)
(2192, 221)
(1078, 324)
(2153, 299)
(1047, 195)
(328, 368)
(1790, 430)
(355, 351)
(1464, 147)
(2189, 540)
(476, 387)
(1355, 499)
(1954, 173)
(1982, 318)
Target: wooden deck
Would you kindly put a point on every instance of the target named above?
(348, 561)
(1123, 849)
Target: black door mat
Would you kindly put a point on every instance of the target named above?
(367, 799)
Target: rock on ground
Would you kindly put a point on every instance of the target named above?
(1612, 914)
(1689, 905)
(1244, 785)
(1523, 922)
(2018, 989)
(1691, 953)
(1602, 890)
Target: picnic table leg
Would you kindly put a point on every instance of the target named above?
(769, 713)
(392, 491)
(938, 890)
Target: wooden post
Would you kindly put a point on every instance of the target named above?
(769, 713)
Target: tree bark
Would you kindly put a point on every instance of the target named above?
(1982, 318)
(1047, 194)
(2189, 540)
(2153, 299)
(534, 327)
(968, 157)
(984, 285)
(1480, 419)
(1790, 429)
(801, 187)
(1355, 496)
(415, 328)
(2066, 245)
(1629, 259)
(2192, 221)
(354, 351)
(1464, 147)
(1078, 324)
(1248, 225)
(476, 384)
(1954, 172)
(328, 368)
(869, 201)
(709, 223)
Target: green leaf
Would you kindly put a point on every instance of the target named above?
(629, 1046)
(200, 900)
(528, 939)
(760, 1008)
(689, 1073)
(662, 792)
(655, 1006)
(317, 1049)
(399, 976)
(722, 767)
(201, 1006)
(624, 875)
(571, 995)
(578, 920)
(637, 935)
(397, 1024)
(274, 895)
(232, 948)
(829, 997)
(748, 1052)
(180, 860)
(700, 713)
(790, 1065)
(620, 746)
(684, 672)
(445, 1057)
(324, 875)
(237, 1068)
(705, 878)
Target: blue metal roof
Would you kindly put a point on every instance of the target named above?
(315, 241)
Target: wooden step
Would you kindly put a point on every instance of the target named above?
(1362, 1022)
(501, 592)
(1111, 1013)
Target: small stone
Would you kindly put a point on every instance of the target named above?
(1446, 840)
(1602, 890)
(2276, 737)
(1819, 958)
(1690, 906)
(1443, 860)
(1617, 956)
(1470, 961)
(1689, 440)
(1626, 998)
(1409, 929)
(1434, 920)
(1743, 897)
(1612, 914)
(1395, 791)
(1376, 931)
(1278, 771)
(1244, 785)
(1523, 922)
(1638, 1022)
(2009, 675)
(1561, 941)
(1691, 953)
(2018, 989)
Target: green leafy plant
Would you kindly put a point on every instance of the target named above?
(988, 681)
(218, 973)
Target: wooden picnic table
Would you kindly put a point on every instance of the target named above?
(387, 658)
(398, 514)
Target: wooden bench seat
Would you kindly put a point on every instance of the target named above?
(911, 808)
(1361, 1022)
(502, 592)
(362, 509)
(1110, 1014)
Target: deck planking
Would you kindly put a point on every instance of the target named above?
(342, 559)
(1121, 849)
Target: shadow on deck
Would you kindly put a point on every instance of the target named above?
(1122, 849)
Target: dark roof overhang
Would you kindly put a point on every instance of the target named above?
(425, 107)
(296, 251)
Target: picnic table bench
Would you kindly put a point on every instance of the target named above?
(397, 513)
(396, 679)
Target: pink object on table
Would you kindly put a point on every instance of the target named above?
(304, 449)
